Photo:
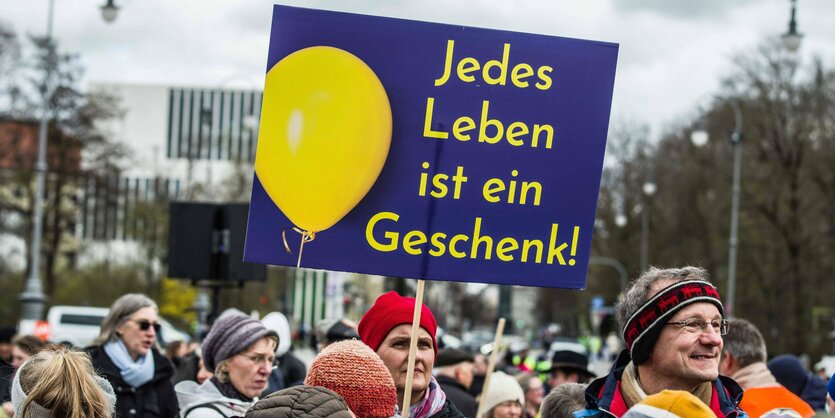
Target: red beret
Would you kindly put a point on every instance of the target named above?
(389, 311)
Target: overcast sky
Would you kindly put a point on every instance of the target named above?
(673, 53)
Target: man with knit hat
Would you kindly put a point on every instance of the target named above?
(387, 329)
(672, 324)
(357, 374)
(743, 359)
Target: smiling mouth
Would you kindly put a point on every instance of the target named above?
(703, 356)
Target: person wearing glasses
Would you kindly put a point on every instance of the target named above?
(126, 354)
(672, 322)
(240, 351)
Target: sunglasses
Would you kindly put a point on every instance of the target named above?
(145, 325)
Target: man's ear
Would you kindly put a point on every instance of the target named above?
(458, 372)
(727, 363)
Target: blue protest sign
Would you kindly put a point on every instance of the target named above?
(431, 151)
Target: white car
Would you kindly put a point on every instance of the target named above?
(80, 325)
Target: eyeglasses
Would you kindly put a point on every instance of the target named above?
(720, 326)
(258, 359)
(144, 325)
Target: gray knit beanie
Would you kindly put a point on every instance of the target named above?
(230, 335)
(37, 411)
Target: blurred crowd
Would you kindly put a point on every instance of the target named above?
(681, 358)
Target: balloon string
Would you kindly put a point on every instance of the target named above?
(306, 237)
(301, 247)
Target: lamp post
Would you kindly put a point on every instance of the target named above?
(109, 11)
(699, 138)
(792, 38)
(32, 298)
(649, 189)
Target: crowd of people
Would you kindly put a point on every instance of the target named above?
(682, 358)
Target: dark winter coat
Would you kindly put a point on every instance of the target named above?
(457, 393)
(6, 377)
(603, 397)
(448, 411)
(151, 400)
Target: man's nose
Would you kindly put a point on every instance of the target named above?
(710, 337)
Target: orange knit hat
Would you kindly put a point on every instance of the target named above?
(356, 373)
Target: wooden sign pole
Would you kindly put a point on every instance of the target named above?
(410, 373)
(490, 366)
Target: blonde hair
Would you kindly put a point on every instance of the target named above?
(63, 381)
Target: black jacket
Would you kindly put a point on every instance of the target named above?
(6, 378)
(151, 400)
(448, 411)
(458, 395)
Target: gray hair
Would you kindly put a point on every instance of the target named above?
(745, 342)
(649, 283)
(121, 309)
(563, 401)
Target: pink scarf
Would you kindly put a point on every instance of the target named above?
(429, 405)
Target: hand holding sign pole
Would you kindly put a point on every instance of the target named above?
(324, 137)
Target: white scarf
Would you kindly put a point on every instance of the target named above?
(136, 373)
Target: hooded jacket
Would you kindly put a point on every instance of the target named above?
(301, 402)
(206, 401)
(603, 397)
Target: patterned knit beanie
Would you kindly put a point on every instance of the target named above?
(356, 373)
(645, 325)
(389, 311)
(231, 334)
(670, 404)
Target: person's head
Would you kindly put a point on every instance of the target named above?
(241, 351)
(480, 364)
(504, 397)
(386, 328)
(6, 334)
(743, 346)
(789, 372)
(61, 382)
(564, 401)
(203, 373)
(133, 320)
(672, 323)
(533, 388)
(356, 373)
(175, 350)
(278, 322)
(24, 347)
(670, 404)
(301, 402)
(456, 364)
(569, 367)
(331, 330)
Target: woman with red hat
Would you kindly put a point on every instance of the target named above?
(387, 329)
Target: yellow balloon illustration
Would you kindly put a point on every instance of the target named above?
(324, 136)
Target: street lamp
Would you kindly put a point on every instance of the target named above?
(32, 298)
(700, 137)
(109, 11)
(792, 38)
(649, 189)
